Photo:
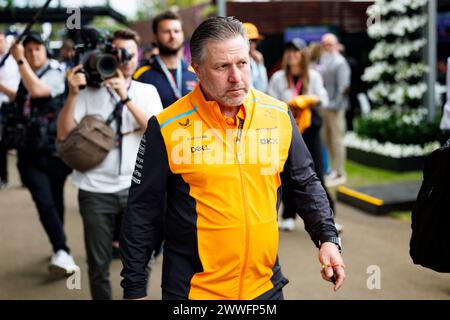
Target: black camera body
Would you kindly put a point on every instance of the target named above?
(100, 59)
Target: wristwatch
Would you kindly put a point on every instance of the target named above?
(20, 62)
(336, 240)
(126, 100)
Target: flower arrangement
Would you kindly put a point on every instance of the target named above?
(398, 125)
(389, 149)
(397, 72)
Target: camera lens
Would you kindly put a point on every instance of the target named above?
(106, 65)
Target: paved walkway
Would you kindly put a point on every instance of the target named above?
(368, 241)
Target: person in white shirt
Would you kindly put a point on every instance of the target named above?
(9, 81)
(103, 190)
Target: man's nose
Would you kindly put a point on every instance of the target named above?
(234, 75)
(172, 34)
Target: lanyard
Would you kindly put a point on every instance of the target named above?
(297, 87)
(117, 115)
(174, 84)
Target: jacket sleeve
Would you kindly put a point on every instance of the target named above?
(142, 225)
(304, 190)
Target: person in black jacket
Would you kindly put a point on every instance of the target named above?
(220, 227)
(40, 98)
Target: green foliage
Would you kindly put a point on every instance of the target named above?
(361, 175)
(106, 24)
(150, 8)
(398, 126)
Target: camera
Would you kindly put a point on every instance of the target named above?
(100, 59)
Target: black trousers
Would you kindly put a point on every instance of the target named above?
(3, 164)
(44, 176)
(311, 136)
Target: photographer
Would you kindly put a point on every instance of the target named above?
(103, 190)
(40, 98)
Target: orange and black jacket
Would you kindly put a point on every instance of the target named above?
(223, 189)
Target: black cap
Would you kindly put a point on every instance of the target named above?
(33, 36)
(296, 43)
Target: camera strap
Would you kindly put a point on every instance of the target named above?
(116, 114)
(175, 84)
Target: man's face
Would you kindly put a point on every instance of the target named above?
(129, 67)
(224, 72)
(329, 44)
(2, 43)
(35, 54)
(169, 36)
(67, 53)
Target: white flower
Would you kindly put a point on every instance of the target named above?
(390, 149)
(401, 71)
(375, 71)
(397, 92)
(398, 26)
(399, 6)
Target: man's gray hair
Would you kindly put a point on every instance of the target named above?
(214, 29)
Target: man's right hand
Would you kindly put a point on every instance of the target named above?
(76, 79)
(17, 51)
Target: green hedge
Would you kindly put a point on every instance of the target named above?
(398, 126)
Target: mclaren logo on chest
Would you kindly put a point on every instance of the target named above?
(185, 124)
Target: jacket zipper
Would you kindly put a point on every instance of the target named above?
(247, 228)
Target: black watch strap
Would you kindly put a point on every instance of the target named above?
(126, 100)
(20, 62)
(335, 240)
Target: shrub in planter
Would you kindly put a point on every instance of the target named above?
(398, 126)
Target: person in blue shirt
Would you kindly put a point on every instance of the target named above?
(168, 72)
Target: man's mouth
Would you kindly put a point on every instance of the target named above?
(235, 90)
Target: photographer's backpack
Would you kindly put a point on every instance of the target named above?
(430, 242)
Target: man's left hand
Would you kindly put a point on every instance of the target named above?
(119, 84)
(332, 264)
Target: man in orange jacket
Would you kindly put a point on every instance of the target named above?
(221, 155)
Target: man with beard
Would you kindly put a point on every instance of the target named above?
(168, 72)
(211, 195)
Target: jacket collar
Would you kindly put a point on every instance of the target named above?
(210, 110)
